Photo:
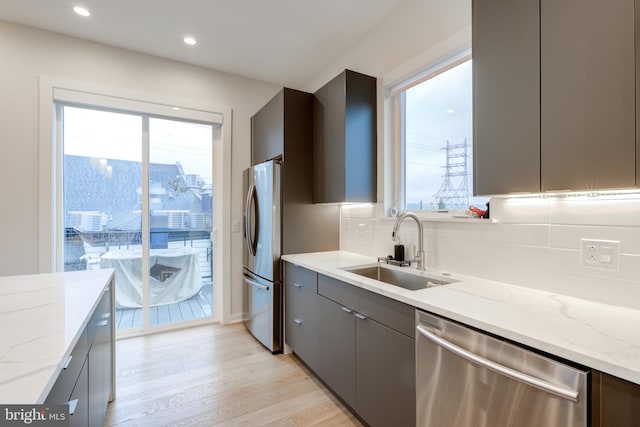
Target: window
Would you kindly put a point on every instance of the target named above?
(165, 200)
(436, 139)
(104, 168)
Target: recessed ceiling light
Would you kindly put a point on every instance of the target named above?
(175, 108)
(81, 11)
(451, 110)
(190, 40)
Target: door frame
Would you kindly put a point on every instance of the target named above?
(53, 89)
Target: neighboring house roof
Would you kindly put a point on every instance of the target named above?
(89, 186)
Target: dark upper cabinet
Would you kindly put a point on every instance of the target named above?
(267, 129)
(554, 95)
(588, 94)
(283, 129)
(506, 96)
(344, 140)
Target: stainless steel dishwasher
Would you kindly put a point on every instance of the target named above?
(465, 378)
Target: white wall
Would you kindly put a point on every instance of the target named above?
(412, 34)
(28, 53)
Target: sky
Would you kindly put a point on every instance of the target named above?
(110, 135)
(438, 110)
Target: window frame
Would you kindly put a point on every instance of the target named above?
(54, 91)
(395, 152)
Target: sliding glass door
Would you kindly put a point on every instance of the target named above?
(137, 197)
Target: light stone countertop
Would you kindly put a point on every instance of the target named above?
(41, 318)
(600, 336)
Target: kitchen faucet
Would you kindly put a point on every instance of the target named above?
(419, 256)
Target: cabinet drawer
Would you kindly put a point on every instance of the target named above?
(301, 324)
(101, 316)
(61, 390)
(300, 276)
(389, 312)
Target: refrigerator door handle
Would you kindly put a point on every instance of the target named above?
(256, 284)
(252, 241)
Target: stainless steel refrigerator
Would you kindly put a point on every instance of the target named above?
(280, 218)
(261, 258)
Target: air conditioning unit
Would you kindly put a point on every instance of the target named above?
(177, 219)
(93, 221)
(197, 220)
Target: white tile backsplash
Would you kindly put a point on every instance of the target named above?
(601, 211)
(532, 210)
(534, 242)
(569, 236)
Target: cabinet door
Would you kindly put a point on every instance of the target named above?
(329, 141)
(79, 400)
(588, 94)
(385, 375)
(344, 139)
(100, 366)
(268, 131)
(300, 323)
(506, 96)
(615, 402)
(337, 348)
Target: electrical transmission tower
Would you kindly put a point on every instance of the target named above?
(450, 196)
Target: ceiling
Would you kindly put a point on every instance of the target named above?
(279, 41)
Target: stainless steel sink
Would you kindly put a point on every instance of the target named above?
(403, 279)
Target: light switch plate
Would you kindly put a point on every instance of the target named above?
(600, 253)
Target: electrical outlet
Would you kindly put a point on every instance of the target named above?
(600, 253)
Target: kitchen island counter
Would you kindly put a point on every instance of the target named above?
(42, 318)
(601, 336)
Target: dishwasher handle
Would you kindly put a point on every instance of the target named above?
(562, 392)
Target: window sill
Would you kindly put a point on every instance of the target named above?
(446, 219)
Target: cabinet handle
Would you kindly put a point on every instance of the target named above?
(347, 309)
(297, 285)
(72, 406)
(102, 323)
(66, 364)
(361, 316)
(298, 321)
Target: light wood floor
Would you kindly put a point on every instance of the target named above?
(198, 306)
(216, 376)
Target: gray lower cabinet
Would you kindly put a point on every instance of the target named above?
(337, 349)
(301, 324)
(614, 402)
(385, 375)
(300, 296)
(78, 401)
(85, 383)
(366, 349)
(360, 344)
(100, 366)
